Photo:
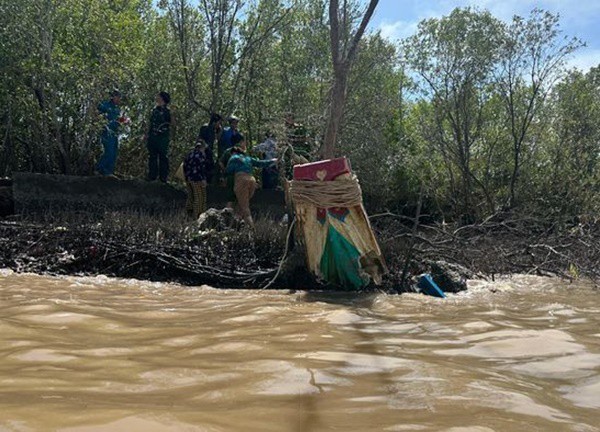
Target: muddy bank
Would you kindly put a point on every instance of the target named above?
(136, 229)
(142, 246)
(135, 245)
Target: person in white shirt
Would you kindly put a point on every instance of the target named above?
(268, 148)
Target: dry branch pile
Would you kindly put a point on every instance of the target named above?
(145, 248)
(502, 244)
(150, 248)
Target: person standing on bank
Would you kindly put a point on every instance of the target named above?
(158, 137)
(209, 133)
(270, 174)
(110, 134)
(226, 140)
(241, 166)
(195, 170)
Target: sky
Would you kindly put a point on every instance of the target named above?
(581, 18)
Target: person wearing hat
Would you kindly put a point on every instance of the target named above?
(158, 138)
(241, 166)
(110, 133)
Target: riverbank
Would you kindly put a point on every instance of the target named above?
(224, 254)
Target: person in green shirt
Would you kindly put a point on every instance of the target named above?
(241, 165)
(158, 138)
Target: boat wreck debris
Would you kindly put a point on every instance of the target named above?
(341, 248)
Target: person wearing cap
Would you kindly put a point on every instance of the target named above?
(208, 133)
(110, 133)
(225, 142)
(195, 170)
(241, 166)
(158, 137)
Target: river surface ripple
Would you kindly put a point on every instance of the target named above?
(100, 354)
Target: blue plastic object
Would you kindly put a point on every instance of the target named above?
(429, 287)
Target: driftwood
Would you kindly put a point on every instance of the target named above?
(144, 247)
(501, 244)
(85, 249)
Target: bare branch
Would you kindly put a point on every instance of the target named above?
(361, 30)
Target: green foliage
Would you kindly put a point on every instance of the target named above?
(484, 85)
(478, 111)
(574, 153)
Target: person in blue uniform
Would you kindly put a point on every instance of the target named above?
(109, 137)
(226, 140)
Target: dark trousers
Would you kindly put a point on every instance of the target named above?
(158, 158)
(270, 177)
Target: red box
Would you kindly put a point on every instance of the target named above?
(326, 170)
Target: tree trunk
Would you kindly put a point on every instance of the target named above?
(343, 53)
(514, 177)
(336, 113)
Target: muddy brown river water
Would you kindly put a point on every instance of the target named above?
(98, 354)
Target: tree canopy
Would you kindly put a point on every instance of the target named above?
(481, 113)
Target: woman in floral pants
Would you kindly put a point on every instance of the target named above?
(195, 168)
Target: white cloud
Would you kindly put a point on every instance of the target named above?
(577, 18)
(571, 12)
(585, 59)
(504, 9)
(390, 30)
(398, 29)
(574, 17)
